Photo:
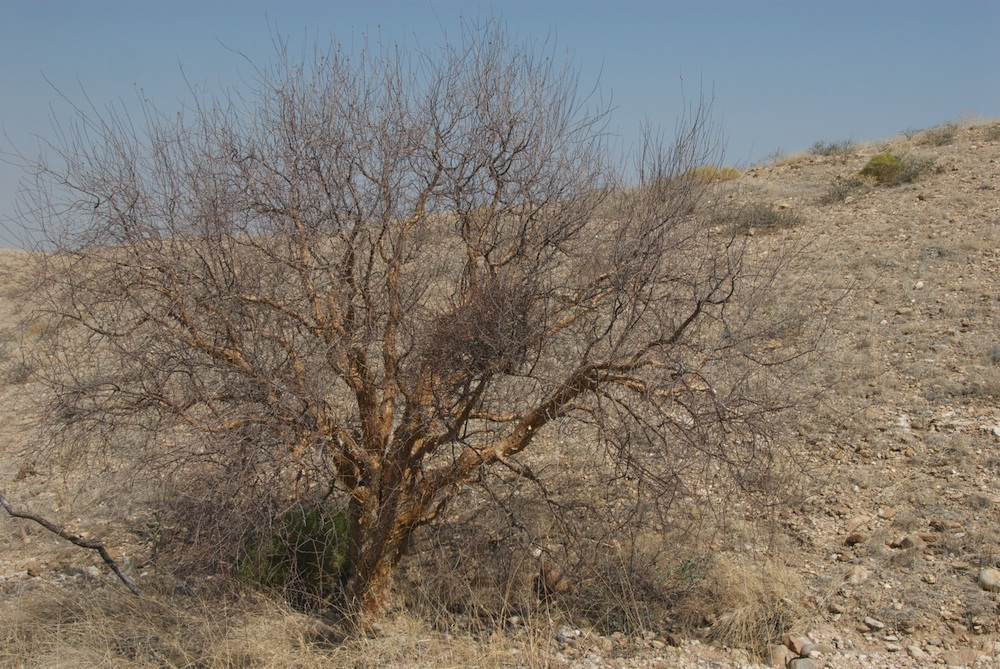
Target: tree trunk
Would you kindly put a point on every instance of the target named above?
(379, 536)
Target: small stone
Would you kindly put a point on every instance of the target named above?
(989, 579)
(802, 663)
(656, 644)
(567, 634)
(794, 643)
(855, 538)
(916, 653)
(893, 647)
(854, 523)
(858, 575)
(961, 657)
(93, 573)
(778, 656)
(873, 624)
(912, 541)
(33, 568)
(818, 648)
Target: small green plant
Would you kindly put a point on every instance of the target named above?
(891, 170)
(842, 149)
(711, 173)
(304, 555)
(882, 167)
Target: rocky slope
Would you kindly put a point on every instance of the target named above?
(898, 550)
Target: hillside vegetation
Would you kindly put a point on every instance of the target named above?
(882, 550)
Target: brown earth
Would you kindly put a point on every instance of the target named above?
(888, 550)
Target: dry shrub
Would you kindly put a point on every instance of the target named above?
(939, 135)
(764, 216)
(741, 603)
(842, 149)
(712, 173)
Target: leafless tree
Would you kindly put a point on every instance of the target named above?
(376, 274)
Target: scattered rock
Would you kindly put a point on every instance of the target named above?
(779, 656)
(873, 624)
(916, 653)
(567, 634)
(914, 541)
(802, 663)
(794, 643)
(818, 648)
(961, 657)
(93, 573)
(855, 538)
(989, 579)
(858, 575)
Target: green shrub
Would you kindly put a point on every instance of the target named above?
(883, 167)
(889, 169)
(303, 554)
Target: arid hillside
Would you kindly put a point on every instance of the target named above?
(890, 557)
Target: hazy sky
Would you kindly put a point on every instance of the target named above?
(783, 74)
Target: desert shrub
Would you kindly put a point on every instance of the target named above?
(882, 167)
(711, 173)
(842, 148)
(742, 605)
(841, 189)
(992, 133)
(891, 170)
(764, 216)
(304, 555)
(939, 135)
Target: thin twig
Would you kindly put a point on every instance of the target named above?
(92, 544)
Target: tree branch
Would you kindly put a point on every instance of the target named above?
(92, 544)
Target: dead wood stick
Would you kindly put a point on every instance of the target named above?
(92, 544)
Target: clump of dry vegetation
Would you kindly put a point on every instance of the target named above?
(839, 149)
(713, 173)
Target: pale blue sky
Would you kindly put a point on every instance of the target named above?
(784, 74)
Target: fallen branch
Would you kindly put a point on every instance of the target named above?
(92, 544)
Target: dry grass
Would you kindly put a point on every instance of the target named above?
(93, 626)
(742, 603)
